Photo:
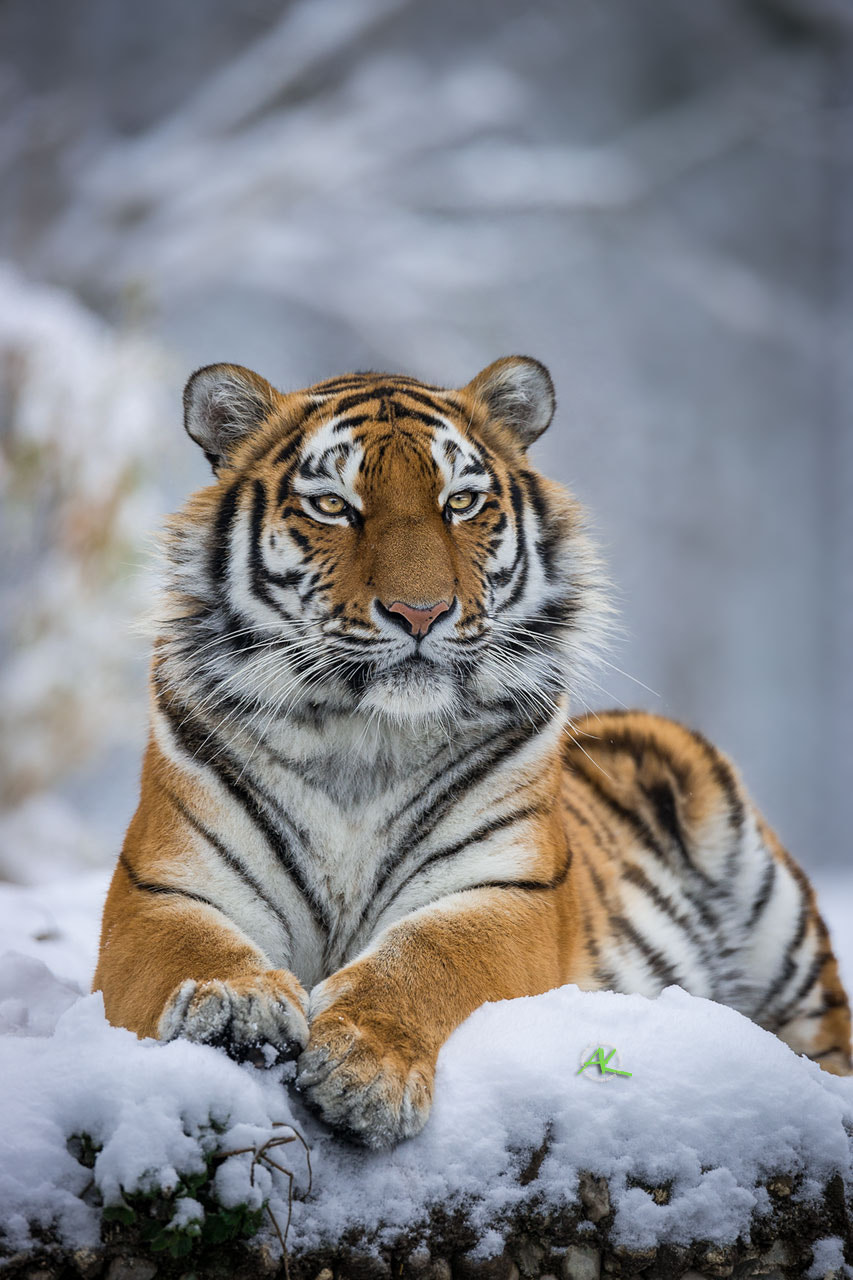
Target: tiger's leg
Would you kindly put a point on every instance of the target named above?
(805, 1003)
(173, 964)
(697, 849)
(377, 1024)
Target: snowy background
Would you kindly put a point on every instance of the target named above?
(654, 198)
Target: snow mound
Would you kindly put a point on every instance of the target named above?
(713, 1105)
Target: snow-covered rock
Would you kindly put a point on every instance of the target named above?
(714, 1109)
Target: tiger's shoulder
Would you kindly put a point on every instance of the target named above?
(636, 755)
(653, 783)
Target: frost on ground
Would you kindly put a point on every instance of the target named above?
(713, 1103)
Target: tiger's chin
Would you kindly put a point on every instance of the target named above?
(411, 692)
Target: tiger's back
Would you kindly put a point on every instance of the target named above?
(680, 880)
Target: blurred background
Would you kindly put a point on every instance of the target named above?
(653, 197)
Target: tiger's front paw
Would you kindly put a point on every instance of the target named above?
(368, 1083)
(241, 1015)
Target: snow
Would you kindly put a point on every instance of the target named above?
(828, 1258)
(712, 1102)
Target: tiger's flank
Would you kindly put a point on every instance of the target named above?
(365, 806)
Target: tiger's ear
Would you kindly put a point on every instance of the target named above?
(519, 393)
(224, 403)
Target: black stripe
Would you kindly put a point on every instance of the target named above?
(552, 618)
(450, 851)
(789, 1010)
(655, 959)
(284, 487)
(662, 799)
(220, 548)
(168, 890)
(291, 444)
(635, 875)
(205, 748)
(605, 976)
(349, 424)
(528, 886)
(789, 964)
(632, 819)
(551, 536)
(598, 883)
(827, 1005)
(230, 859)
(260, 576)
(424, 822)
(765, 889)
(520, 560)
(597, 831)
(389, 392)
(726, 781)
(416, 415)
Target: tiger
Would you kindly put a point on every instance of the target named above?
(366, 808)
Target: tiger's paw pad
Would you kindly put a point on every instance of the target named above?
(254, 1020)
(373, 1094)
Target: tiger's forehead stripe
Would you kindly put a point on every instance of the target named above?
(438, 403)
(331, 443)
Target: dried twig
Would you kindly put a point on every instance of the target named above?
(260, 1154)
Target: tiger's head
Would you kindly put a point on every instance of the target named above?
(375, 544)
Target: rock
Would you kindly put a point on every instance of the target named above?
(326, 1274)
(418, 1261)
(581, 1262)
(717, 1261)
(595, 1196)
(529, 1255)
(87, 1263)
(677, 1259)
(780, 1187)
(778, 1255)
(440, 1270)
(501, 1267)
(367, 1266)
(131, 1269)
(635, 1260)
(264, 1262)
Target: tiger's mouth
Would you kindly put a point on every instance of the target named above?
(413, 688)
(417, 659)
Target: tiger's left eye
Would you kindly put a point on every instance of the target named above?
(462, 501)
(331, 504)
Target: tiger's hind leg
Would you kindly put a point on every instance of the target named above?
(820, 1026)
(805, 1004)
(697, 851)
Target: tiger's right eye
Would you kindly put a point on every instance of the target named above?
(330, 504)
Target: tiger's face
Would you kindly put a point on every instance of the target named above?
(390, 541)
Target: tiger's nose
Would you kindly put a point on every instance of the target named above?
(417, 620)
